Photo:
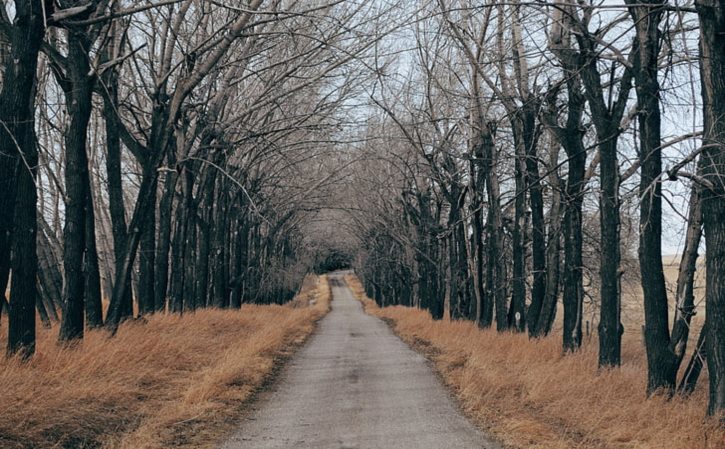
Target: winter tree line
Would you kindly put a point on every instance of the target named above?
(533, 152)
(163, 155)
(489, 158)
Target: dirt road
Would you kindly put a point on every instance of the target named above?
(356, 385)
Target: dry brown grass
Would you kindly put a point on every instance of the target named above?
(527, 394)
(169, 382)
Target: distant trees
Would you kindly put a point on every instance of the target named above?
(487, 202)
(175, 143)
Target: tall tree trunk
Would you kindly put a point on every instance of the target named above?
(181, 243)
(218, 263)
(478, 180)
(610, 328)
(553, 250)
(24, 262)
(206, 193)
(18, 160)
(573, 240)
(516, 317)
(496, 277)
(163, 246)
(712, 66)
(606, 118)
(116, 206)
(570, 136)
(538, 226)
(661, 360)
(78, 91)
(147, 253)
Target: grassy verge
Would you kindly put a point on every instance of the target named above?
(528, 395)
(172, 381)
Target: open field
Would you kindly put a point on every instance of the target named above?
(176, 381)
(527, 394)
(633, 305)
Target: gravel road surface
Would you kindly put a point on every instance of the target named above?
(355, 385)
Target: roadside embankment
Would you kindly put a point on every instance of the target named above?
(529, 395)
(168, 381)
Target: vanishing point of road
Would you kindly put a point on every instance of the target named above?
(355, 385)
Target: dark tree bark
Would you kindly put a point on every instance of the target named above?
(571, 138)
(496, 279)
(164, 236)
(24, 262)
(606, 119)
(48, 270)
(18, 160)
(166, 114)
(553, 264)
(483, 151)
(78, 87)
(240, 260)
(147, 251)
(661, 360)
(538, 225)
(202, 293)
(113, 173)
(516, 317)
(219, 263)
(685, 294)
(712, 67)
(93, 304)
(182, 249)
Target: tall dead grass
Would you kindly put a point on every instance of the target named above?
(176, 381)
(529, 395)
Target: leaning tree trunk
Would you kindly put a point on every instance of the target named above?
(685, 293)
(694, 368)
(116, 206)
(712, 67)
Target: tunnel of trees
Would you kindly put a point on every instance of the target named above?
(500, 162)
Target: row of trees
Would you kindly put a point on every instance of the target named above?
(512, 128)
(164, 155)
